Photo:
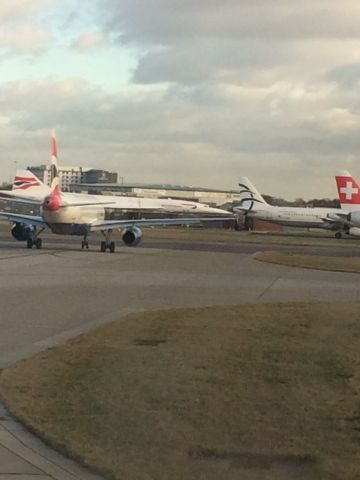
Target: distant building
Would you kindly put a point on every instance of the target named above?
(212, 197)
(73, 175)
(99, 176)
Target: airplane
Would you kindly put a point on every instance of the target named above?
(349, 196)
(253, 205)
(80, 214)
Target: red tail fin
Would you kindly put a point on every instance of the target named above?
(348, 189)
(53, 201)
(55, 182)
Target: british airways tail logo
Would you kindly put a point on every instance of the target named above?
(23, 183)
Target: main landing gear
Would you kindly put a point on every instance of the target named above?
(107, 244)
(34, 240)
(338, 235)
(85, 243)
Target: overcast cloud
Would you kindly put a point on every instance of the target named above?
(185, 92)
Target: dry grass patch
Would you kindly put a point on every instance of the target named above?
(245, 392)
(339, 264)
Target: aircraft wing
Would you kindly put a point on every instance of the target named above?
(338, 217)
(34, 220)
(108, 224)
(241, 209)
(85, 204)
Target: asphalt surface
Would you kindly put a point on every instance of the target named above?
(345, 248)
(52, 294)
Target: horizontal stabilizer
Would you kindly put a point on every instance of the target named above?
(16, 199)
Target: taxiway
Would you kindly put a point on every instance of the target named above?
(60, 291)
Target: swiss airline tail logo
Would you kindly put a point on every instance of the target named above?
(348, 189)
(23, 183)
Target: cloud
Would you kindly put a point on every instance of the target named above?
(89, 40)
(203, 135)
(24, 38)
(167, 21)
(262, 88)
(236, 41)
(17, 10)
(20, 33)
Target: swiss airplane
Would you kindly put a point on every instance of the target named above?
(253, 205)
(80, 214)
(349, 196)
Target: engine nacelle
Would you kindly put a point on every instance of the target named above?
(21, 231)
(354, 218)
(132, 236)
(355, 231)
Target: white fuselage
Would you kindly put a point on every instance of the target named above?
(298, 217)
(80, 210)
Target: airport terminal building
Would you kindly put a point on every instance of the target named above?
(96, 181)
(212, 197)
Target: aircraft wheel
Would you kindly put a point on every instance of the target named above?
(338, 235)
(103, 246)
(112, 247)
(38, 243)
(29, 243)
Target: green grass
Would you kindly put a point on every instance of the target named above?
(290, 236)
(287, 237)
(244, 392)
(339, 264)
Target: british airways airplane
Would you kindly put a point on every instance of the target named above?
(80, 214)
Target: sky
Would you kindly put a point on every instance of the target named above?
(185, 92)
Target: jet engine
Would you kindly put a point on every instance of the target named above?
(132, 236)
(21, 231)
(354, 231)
(354, 218)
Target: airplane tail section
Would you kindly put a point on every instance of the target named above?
(348, 190)
(55, 182)
(251, 199)
(53, 201)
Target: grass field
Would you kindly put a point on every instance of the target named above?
(244, 392)
(288, 237)
(339, 264)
